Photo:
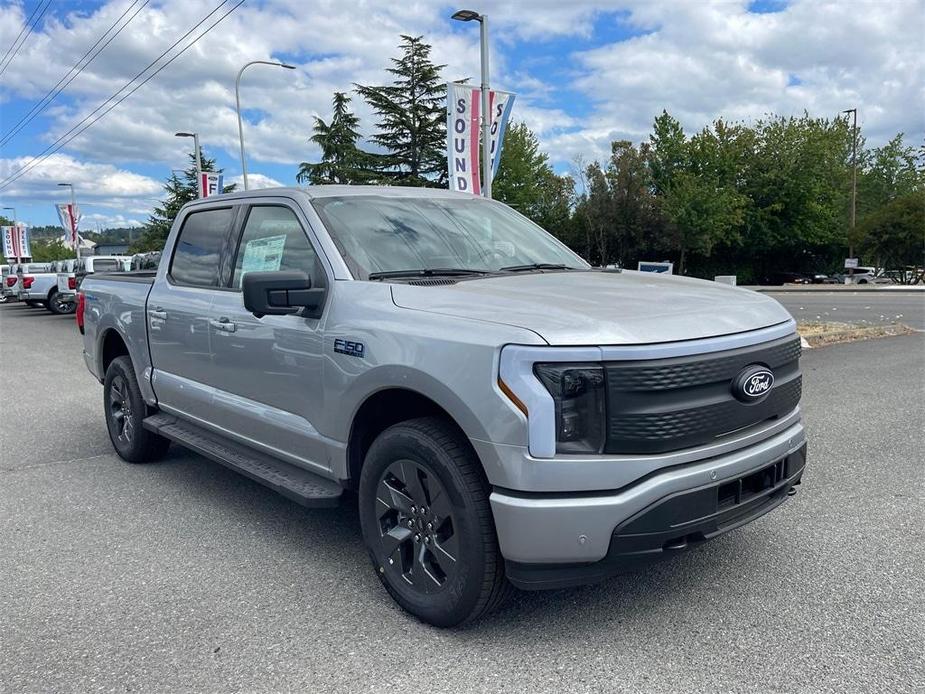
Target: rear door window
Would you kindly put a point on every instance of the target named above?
(197, 255)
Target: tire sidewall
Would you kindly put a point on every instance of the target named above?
(456, 600)
(133, 450)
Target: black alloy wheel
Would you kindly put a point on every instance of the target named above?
(120, 410)
(416, 530)
(125, 411)
(427, 523)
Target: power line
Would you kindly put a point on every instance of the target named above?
(52, 94)
(19, 35)
(77, 129)
(28, 34)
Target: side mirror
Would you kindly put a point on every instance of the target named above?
(280, 293)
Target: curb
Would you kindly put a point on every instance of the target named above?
(836, 289)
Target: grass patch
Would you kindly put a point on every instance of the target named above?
(830, 333)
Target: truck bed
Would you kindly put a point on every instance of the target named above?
(116, 301)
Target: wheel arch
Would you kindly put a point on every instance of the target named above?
(111, 345)
(382, 409)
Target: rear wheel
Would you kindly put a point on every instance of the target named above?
(59, 304)
(427, 523)
(125, 410)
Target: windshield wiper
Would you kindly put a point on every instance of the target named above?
(425, 272)
(537, 266)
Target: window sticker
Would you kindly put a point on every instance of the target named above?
(264, 255)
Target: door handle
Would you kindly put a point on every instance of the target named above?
(158, 313)
(223, 324)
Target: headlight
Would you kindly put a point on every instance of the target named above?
(578, 393)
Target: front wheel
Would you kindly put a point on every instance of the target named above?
(125, 411)
(427, 523)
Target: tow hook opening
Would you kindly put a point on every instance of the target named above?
(682, 542)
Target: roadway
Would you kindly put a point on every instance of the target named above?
(182, 576)
(860, 307)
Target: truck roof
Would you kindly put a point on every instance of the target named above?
(325, 191)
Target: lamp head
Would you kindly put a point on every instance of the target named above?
(466, 16)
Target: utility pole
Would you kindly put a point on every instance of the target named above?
(237, 103)
(854, 183)
(195, 137)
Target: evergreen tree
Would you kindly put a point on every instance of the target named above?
(341, 160)
(412, 118)
(527, 182)
(180, 190)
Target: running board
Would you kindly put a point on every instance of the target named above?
(300, 485)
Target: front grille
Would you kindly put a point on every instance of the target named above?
(662, 405)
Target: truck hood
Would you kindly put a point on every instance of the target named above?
(600, 308)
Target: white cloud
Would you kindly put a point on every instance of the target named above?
(92, 222)
(256, 181)
(94, 183)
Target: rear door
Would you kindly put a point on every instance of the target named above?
(267, 372)
(179, 310)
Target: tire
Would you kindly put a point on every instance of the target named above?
(428, 462)
(57, 306)
(124, 410)
(4, 299)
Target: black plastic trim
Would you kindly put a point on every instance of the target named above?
(673, 524)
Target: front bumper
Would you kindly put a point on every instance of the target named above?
(550, 540)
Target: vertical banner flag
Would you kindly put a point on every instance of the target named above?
(463, 105)
(16, 242)
(211, 184)
(500, 106)
(462, 137)
(70, 219)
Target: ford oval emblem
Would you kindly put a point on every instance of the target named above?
(752, 384)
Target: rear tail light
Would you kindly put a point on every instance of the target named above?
(27, 281)
(81, 304)
(72, 283)
(11, 280)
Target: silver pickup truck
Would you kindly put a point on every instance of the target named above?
(505, 413)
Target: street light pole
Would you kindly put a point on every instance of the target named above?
(854, 183)
(469, 16)
(195, 137)
(18, 258)
(74, 218)
(237, 102)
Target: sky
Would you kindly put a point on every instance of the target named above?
(586, 73)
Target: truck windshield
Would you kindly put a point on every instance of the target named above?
(379, 234)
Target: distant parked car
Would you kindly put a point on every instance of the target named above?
(787, 278)
(867, 275)
(25, 287)
(4, 273)
(146, 261)
(824, 279)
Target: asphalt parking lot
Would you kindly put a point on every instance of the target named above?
(863, 307)
(183, 576)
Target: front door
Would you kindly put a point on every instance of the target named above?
(179, 311)
(267, 371)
